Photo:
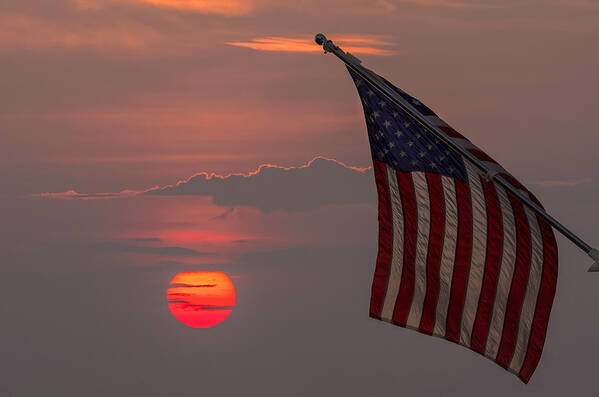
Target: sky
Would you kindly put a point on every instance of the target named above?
(143, 138)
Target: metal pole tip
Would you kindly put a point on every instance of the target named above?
(320, 39)
(594, 254)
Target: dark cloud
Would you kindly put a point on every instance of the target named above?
(321, 182)
(169, 263)
(147, 239)
(120, 246)
(225, 214)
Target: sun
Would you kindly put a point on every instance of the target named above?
(201, 299)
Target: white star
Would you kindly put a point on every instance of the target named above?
(381, 154)
(395, 114)
(406, 124)
(381, 134)
(414, 162)
(358, 83)
(376, 114)
(399, 133)
(386, 150)
(451, 169)
(410, 143)
(370, 93)
(447, 152)
(429, 146)
(441, 158)
(433, 165)
(391, 145)
(382, 104)
(422, 154)
(395, 163)
(418, 135)
(402, 153)
(387, 123)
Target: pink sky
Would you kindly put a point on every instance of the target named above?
(112, 98)
(102, 100)
(146, 92)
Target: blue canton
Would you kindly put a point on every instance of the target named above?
(399, 140)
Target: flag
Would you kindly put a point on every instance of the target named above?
(459, 257)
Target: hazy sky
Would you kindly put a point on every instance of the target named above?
(101, 101)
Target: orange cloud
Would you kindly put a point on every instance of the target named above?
(222, 7)
(353, 44)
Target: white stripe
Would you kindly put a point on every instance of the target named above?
(506, 273)
(424, 220)
(532, 290)
(478, 255)
(398, 250)
(447, 254)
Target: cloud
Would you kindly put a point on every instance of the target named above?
(353, 44)
(221, 7)
(392, 5)
(225, 214)
(31, 32)
(169, 263)
(120, 246)
(73, 195)
(148, 239)
(564, 183)
(318, 183)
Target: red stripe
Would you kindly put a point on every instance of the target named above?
(544, 302)
(406, 290)
(437, 205)
(383, 260)
(451, 132)
(492, 262)
(462, 262)
(482, 156)
(519, 281)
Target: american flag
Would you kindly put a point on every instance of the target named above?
(459, 256)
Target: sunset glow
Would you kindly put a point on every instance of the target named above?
(355, 45)
(201, 299)
(223, 7)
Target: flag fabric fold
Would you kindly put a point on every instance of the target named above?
(459, 257)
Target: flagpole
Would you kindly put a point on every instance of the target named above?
(355, 64)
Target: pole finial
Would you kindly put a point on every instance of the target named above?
(594, 254)
(320, 39)
(329, 46)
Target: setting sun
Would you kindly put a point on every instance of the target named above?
(201, 299)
